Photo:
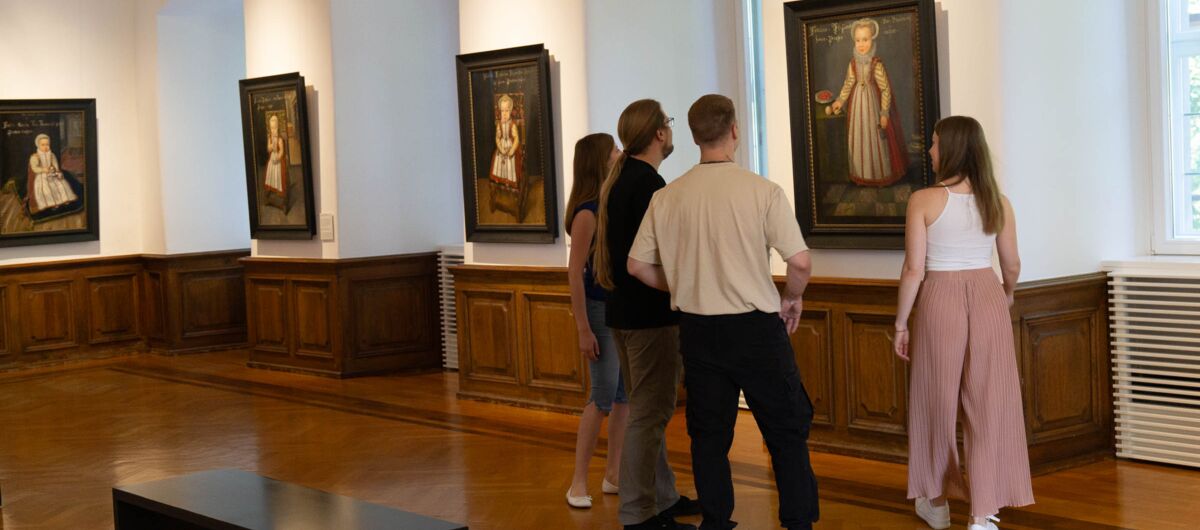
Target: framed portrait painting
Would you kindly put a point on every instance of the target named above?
(506, 124)
(279, 180)
(862, 82)
(48, 177)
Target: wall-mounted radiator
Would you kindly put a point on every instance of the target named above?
(448, 257)
(1155, 332)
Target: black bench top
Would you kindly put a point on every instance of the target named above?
(235, 499)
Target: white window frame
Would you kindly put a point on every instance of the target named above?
(1170, 41)
(750, 98)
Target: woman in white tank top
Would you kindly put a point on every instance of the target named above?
(962, 346)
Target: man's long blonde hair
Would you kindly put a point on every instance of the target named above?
(637, 128)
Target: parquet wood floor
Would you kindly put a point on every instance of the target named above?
(68, 434)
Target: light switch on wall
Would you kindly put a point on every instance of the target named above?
(326, 227)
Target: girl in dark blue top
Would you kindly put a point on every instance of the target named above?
(594, 154)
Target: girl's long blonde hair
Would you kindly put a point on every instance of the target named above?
(637, 128)
(963, 154)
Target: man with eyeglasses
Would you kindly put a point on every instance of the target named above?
(644, 326)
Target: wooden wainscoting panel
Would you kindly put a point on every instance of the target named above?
(348, 317)
(1066, 371)
(314, 317)
(48, 317)
(114, 305)
(214, 302)
(813, 347)
(877, 380)
(5, 349)
(551, 336)
(113, 308)
(391, 315)
(488, 331)
(154, 306)
(1060, 374)
(516, 345)
(267, 305)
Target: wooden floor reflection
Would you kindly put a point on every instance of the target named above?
(69, 434)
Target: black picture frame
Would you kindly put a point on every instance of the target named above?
(860, 205)
(509, 189)
(70, 209)
(281, 205)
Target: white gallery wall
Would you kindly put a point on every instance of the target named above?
(99, 50)
(1064, 106)
(201, 57)
(399, 169)
(674, 51)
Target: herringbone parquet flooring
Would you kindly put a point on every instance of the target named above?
(69, 434)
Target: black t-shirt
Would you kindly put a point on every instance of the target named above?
(633, 304)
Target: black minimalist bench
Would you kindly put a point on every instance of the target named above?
(229, 499)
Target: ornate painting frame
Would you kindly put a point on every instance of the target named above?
(863, 89)
(276, 141)
(506, 123)
(49, 172)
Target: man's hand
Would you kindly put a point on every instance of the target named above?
(790, 311)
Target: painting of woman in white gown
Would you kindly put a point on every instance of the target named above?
(874, 132)
(47, 175)
(863, 93)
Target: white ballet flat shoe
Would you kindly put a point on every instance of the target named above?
(584, 501)
(937, 517)
(990, 524)
(609, 487)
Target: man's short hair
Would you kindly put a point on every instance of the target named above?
(710, 118)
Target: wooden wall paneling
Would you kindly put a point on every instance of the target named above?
(843, 350)
(549, 328)
(213, 302)
(487, 329)
(48, 318)
(812, 344)
(877, 380)
(314, 315)
(5, 342)
(100, 306)
(391, 311)
(202, 305)
(390, 315)
(267, 307)
(1063, 354)
(345, 317)
(1060, 374)
(154, 307)
(113, 308)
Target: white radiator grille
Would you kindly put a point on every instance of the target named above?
(449, 257)
(1155, 328)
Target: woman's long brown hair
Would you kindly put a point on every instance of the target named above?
(637, 127)
(591, 165)
(963, 154)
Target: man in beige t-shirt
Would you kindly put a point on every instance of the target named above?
(706, 238)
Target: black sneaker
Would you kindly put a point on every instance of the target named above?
(682, 507)
(659, 522)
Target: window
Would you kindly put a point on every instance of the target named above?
(1177, 190)
(755, 127)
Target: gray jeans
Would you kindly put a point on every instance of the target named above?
(650, 368)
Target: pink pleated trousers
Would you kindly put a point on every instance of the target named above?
(962, 352)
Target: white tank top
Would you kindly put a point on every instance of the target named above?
(956, 240)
